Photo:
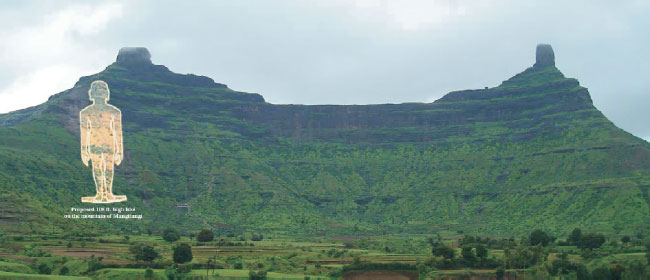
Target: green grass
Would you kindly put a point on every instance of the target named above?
(17, 276)
(15, 267)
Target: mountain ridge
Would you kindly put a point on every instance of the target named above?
(532, 152)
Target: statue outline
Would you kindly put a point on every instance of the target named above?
(101, 142)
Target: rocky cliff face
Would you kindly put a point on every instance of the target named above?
(133, 55)
(532, 152)
(534, 99)
(544, 56)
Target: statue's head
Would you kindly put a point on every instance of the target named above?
(99, 90)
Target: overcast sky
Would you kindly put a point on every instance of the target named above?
(336, 52)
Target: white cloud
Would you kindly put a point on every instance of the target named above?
(33, 88)
(51, 55)
(413, 15)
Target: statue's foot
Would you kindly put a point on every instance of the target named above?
(117, 198)
(91, 199)
(103, 199)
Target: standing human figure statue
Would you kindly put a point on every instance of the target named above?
(101, 142)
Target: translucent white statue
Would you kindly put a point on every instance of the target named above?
(101, 142)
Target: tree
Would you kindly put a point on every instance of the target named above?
(468, 254)
(591, 241)
(616, 271)
(481, 251)
(439, 249)
(182, 253)
(625, 239)
(561, 266)
(256, 237)
(205, 235)
(539, 237)
(575, 237)
(143, 252)
(500, 273)
(444, 251)
(43, 268)
(170, 235)
(171, 273)
(184, 268)
(524, 257)
(148, 274)
(94, 263)
(582, 273)
(257, 275)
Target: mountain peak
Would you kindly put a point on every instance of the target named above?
(134, 55)
(544, 56)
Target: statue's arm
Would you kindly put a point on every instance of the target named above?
(84, 129)
(117, 132)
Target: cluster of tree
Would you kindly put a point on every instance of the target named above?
(585, 241)
(257, 237)
(170, 235)
(94, 264)
(476, 256)
(471, 255)
(178, 271)
(539, 237)
(205, 235)
(439, 249)
(359, 265)
(43, 268)
(223, 242)
(143, 252)
(182, 253)
(148, 274)
(524, 256)
(259, 275)
(562, 266)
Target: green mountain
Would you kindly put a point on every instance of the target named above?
(530, 153)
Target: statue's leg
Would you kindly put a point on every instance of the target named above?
(109, 177)
(102, 179)
(98, 177)
(110, 168)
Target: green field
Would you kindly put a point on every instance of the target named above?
(327, 257)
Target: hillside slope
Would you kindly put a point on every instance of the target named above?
(531, 153)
